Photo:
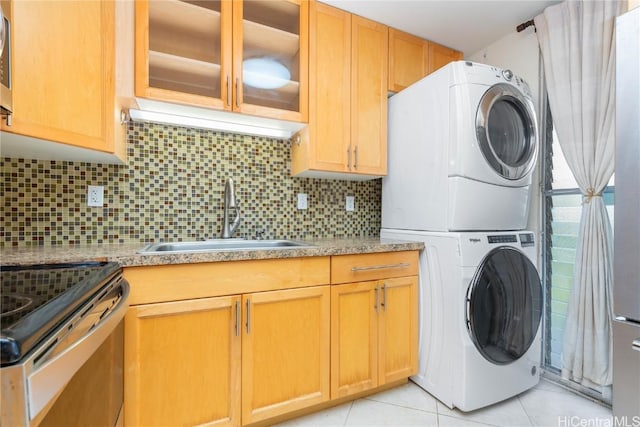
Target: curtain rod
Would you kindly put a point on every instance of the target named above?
(524, 25)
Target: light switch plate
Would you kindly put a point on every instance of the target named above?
(302, 201)
(350, 203)
(95, 195)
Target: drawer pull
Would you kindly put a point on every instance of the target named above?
(381, 267)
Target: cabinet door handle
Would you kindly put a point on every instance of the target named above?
(237, 318)
(635, 344)
(380, 267)
(237, 92)
(355, 156)
(229, 91)
(349, 157)
(383, 304)
(248, 317)
(377, 299)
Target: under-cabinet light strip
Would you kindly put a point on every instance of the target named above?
(165, 118)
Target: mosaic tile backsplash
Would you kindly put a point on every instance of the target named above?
(172, 189)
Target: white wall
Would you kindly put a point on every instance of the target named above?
(519, 52)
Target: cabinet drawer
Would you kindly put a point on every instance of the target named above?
(186, 281)
(357, 268)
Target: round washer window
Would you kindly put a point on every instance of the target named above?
(504, 305)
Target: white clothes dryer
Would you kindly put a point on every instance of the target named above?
(462, 145)
(480, 314)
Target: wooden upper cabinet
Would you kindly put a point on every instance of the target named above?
(194, 53)
(279, 31)
(408, 59)
(439, 56)
(67, 87)
(348, 65)
(183, 51)
(369, 71)
(412, 58)
(326, 139)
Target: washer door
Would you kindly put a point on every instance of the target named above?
(507, 131)
(504, 305)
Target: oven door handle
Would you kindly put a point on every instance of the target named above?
(48, 374)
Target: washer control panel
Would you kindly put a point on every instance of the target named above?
(526, 239)
(503, 238)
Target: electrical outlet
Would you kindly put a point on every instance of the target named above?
(350, 203)
(302, 201)
(95, 195)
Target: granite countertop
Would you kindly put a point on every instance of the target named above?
(128, 254)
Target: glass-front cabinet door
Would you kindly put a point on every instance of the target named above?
(183, 51)
(246, 56)
(271, 57)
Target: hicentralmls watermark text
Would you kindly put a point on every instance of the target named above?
(576, 421)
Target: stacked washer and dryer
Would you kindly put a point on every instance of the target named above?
(463, 143)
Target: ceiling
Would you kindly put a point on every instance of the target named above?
(464, 25)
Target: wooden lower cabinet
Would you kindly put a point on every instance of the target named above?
(183, 363)
(227, 360)
(374, 333)
(285, 351)
(286, 341)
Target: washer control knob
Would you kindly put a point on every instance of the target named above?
(507, 74)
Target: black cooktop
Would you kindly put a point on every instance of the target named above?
(37, 298)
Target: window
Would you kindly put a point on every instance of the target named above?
(563, 206)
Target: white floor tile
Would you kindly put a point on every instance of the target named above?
(408, 396)
(551, 386)
(369, 413)
(509, 413)
(332, 417)
(546, 405)
(446, 421)
(551, 408)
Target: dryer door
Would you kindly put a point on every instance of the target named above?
(504, 305)
(507, 131)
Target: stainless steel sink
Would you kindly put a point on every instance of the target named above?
(220, 245)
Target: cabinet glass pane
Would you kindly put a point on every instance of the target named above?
(184, 46)
(270, 54)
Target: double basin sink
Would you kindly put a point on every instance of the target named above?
(220, 245)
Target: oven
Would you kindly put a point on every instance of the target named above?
(62, 344)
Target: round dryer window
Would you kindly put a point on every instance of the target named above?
(506, 131)
(504, 305)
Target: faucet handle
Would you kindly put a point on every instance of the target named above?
(260, 233)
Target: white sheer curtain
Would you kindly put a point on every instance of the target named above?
(577, 43)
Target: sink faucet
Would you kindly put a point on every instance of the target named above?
(230, 202)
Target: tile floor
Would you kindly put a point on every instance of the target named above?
(546, 405)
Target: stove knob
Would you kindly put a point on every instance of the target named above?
(507, 74)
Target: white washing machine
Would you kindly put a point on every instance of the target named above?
(480, 312)
(462, 146)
